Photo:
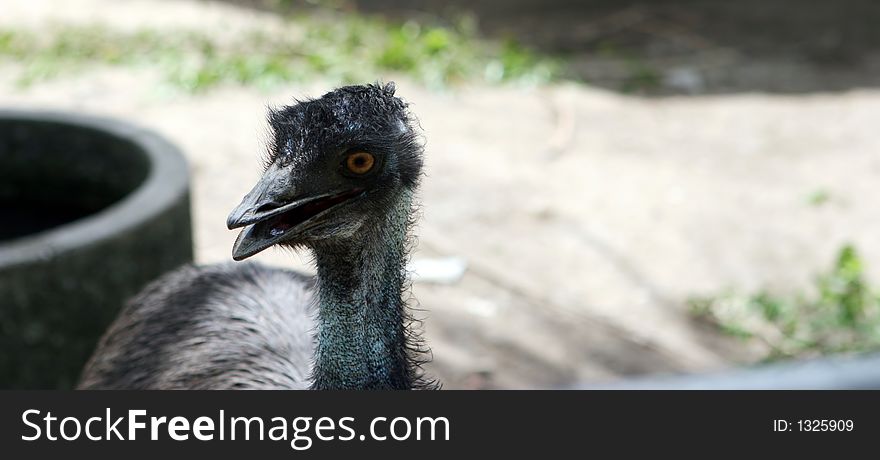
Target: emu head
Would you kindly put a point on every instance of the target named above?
(336, 164)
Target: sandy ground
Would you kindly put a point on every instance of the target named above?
(586, 217)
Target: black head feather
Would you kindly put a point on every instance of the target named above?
(363, 117)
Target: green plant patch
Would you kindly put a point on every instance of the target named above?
(840, 314)
(342, 49)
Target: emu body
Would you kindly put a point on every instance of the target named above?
(339, 181)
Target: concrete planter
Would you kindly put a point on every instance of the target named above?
(90, 210)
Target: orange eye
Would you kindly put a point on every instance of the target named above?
(360, 162)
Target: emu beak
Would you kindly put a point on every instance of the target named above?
(270, 216)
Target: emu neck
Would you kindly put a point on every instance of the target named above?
(361, 334)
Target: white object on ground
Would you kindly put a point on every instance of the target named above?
(443, 270)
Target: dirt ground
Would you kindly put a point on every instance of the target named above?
(586, 216)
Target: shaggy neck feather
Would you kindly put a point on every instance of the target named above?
(361, 334)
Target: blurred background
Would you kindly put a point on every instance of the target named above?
(613, 189)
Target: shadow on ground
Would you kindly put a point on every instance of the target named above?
(668, 47)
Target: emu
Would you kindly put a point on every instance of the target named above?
(339, 180)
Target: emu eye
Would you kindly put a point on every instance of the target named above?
(360, 162)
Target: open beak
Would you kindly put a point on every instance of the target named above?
(268, 220)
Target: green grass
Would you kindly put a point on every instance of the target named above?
(840, 314)
(819, 197)
(342, 49)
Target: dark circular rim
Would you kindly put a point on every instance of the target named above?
(166, 183)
